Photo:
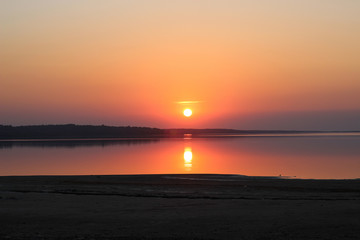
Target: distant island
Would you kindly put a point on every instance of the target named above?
(73, 131)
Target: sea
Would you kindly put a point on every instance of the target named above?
(299, 156)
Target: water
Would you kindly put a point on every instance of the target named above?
(319, 157)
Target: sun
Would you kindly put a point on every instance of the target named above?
(187, 112)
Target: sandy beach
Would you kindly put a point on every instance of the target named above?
(178, 207)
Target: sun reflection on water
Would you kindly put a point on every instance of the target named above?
(188, 158)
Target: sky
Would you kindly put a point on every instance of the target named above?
(280, 64)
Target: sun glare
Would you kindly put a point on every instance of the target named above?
(187, 112)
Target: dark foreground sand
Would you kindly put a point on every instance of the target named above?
(178, 207)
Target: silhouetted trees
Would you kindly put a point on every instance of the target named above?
(72, 131)
(75, 131)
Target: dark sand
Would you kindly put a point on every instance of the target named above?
(178, 207)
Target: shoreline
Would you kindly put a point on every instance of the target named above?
(219, 186)
(180, 176)
(190, 136)
(179, 206)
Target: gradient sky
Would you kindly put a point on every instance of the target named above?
(280, 64)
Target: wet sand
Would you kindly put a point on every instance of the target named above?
(178, 207)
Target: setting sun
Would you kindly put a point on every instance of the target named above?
(187, 112)
(97, 101)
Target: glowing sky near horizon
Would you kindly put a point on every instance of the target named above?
(237, 64)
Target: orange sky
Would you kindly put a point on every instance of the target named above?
(252, 64)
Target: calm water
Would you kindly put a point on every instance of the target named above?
(301, 157)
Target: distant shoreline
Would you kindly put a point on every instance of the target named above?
(89, 132)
